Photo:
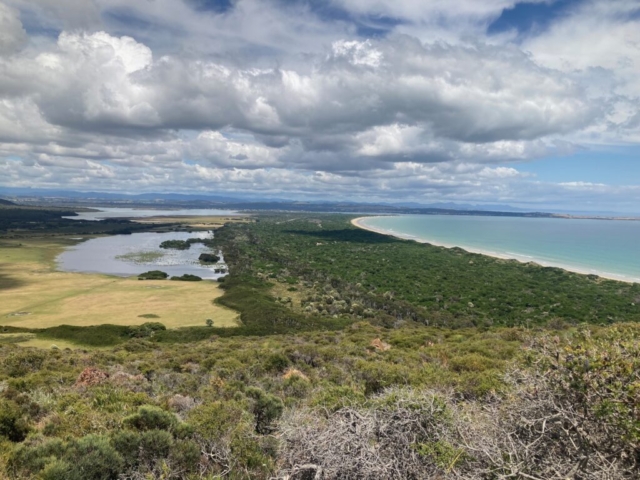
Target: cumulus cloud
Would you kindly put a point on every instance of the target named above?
(600, 45)
(467, 94)
(298, 101)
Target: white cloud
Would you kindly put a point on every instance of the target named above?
(481, 94)
(278, 99)
(599, 43)
(428, 10)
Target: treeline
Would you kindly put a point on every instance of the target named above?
(42, 221)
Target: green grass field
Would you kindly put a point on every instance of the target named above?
(34, 295)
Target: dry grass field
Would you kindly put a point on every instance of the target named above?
(34, 295)
(207, 222)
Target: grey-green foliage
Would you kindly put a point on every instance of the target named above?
(88, 458)
(149, 417)
(12, 424)
(267, 409)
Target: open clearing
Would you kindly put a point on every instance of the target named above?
(34, 295)
(207, 222)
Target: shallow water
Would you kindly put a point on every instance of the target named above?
(604, 247)
(104, 255)
(143, 213)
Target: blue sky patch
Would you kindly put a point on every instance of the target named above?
(526, 17)
(217, 6)
(613, 166)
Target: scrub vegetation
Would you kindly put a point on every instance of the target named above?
(363, 402)
(338, 269)
(356, 356)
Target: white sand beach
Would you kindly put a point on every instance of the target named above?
(359, 222)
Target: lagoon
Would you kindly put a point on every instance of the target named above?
(108, 212)
(609, 248)
(130, 255)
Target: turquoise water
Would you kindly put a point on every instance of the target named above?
(604, 247)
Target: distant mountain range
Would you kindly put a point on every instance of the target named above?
(462, 206)
(239, 201)
(248, 201)
(69, 194)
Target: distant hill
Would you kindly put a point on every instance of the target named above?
(96, 196)
(6, 202)
(463, 206)
(250, 201)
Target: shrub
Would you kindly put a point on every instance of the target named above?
(151, 418)
(266, 409)
(187, 278)
(56, 470)
(185, 455)
(155, 444)
(296, 386)
(12, 424)
(87, 458)
(153, 275)
(30, 457)
(24, 362)
(225, 432)
(183, 430)
(277, 362)
(145, 330)
(176, 244)
(472, 363)
(127, 444)
(93, 458)
(219, 419)
(209, 258)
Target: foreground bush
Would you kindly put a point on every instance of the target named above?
(88, 458)
(12, 426)
(363, 402)
(576, 416)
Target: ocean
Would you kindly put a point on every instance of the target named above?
(609, 248)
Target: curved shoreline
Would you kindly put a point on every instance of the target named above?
(357, 222)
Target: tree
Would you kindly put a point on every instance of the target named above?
(209, 322)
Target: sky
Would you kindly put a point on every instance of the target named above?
(534, 104)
